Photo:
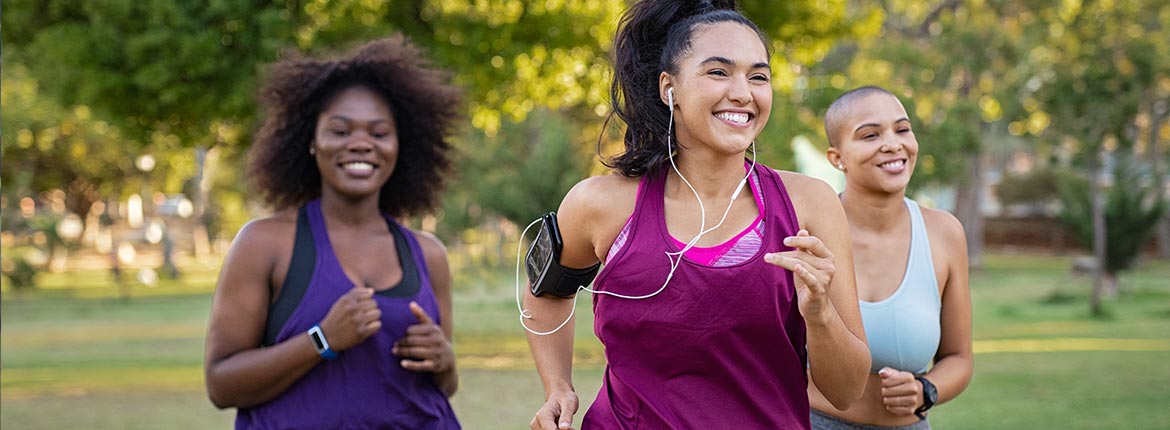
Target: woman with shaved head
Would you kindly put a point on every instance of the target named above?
(911, 267)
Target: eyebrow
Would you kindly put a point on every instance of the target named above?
(874, 124)
(348, 119)
(730, 62)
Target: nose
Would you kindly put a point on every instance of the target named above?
(360, 141)
(740, 92)
(892, 143)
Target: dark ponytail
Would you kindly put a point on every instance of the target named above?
(651, 37)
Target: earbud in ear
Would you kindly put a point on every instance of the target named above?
(670, 96)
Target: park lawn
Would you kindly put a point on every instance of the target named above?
(75, 355)
(1063, 390)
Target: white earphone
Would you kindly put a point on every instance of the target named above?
(674, 257)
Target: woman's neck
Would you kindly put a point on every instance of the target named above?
(713, 177)
(350, 211)
(873, 211)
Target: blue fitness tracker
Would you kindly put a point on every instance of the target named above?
(321, 344)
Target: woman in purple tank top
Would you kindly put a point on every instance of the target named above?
(718, 332)
(329, 314)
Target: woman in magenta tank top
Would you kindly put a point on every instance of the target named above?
(330, 314)
(711, 306)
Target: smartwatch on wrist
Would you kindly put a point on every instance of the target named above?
(929, 397)
(320, 344)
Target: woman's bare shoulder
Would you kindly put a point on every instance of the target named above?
(592, 214)
(811, 197)
(801, 183)
(601, 188)
(432, 247)
(260, 254)
(270, 227)
(601, 196)
(265, 238)
(944, 225)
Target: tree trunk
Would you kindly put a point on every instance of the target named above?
(1162, 230)
(1097, 203)
(1162, 235)
(969, 199)
(1107, 281)
(969, 207)
(205, 169)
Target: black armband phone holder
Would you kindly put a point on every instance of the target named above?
(543, 263)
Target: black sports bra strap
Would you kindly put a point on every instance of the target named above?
(304, 263)
(411, 281)
(296, 281)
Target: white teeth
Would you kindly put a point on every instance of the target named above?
(892, 164)
(738, 118)
(358, 166)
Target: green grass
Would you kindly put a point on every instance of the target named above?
(1066, 390)
(75, 355)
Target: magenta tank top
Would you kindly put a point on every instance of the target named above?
(720, 347)
(737, 249)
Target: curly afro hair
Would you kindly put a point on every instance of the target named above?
(298, 88)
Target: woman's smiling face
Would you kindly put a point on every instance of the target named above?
(356, 143)
(877, 148)
(722, 91)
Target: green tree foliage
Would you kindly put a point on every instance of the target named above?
(165, 74)
(1039, 187)
(1097, 67)
(21, 274)
(1132, 205)
(184, 72)
(47, 147)
(515, 58)
(542, 151)
(173, 67)
(953, 63)
(957, 66)
(981, 76)
(1093, 84)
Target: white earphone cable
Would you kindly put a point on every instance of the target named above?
(675, 258)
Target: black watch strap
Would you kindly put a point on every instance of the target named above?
(929, 397)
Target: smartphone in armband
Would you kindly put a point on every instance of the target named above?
(544, 251)
(543, 263)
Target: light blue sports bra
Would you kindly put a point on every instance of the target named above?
(903, 329)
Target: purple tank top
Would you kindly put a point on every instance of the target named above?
(720, 347)
(365, 387)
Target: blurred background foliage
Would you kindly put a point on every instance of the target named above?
(1044, 126)
(995, 88)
